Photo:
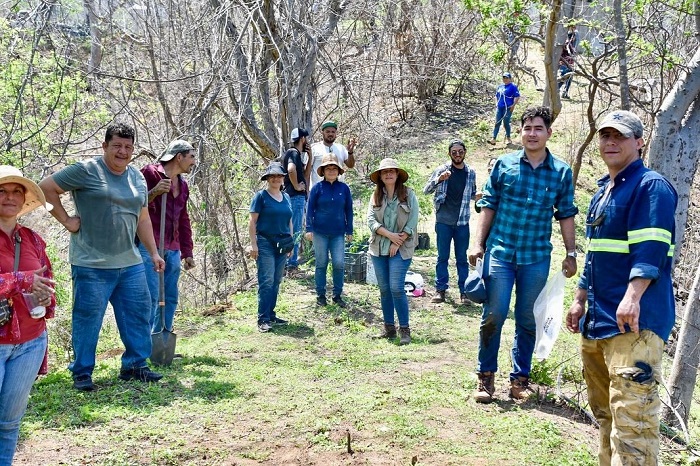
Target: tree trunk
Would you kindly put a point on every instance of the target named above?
(674, 152)
(621, 54)
(551, 59)
(681, 382)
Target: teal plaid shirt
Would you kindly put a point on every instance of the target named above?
(525, 200)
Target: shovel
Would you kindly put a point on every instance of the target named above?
(162, 342)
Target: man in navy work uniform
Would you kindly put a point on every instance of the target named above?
(626, 283)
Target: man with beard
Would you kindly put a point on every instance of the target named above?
(344, 155)
(454, 185)
(165, 178)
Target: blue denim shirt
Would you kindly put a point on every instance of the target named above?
(329, 210)
(631, 233)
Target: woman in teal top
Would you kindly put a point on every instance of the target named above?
(392, 218)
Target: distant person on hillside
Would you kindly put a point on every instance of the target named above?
(295, 186)
(165, 178)
(344, 155)
(328, 225)
(392, 218)
(269, 226)
(454, 185)
(626, 283)
(111, 203)
(567, 61)
(507, 95)
(525, 189)
(26, 301)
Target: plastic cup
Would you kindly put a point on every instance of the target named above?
(36, 310)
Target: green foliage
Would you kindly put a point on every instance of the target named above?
(42, 98)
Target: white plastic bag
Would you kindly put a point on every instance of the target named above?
(548, 311)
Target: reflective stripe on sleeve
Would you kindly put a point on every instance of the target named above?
(649, 234)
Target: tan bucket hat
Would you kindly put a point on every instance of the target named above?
(388, 163)
(329, 159)
(33, 196)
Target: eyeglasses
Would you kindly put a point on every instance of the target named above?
(598, 221)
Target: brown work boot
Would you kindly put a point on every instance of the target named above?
(405, 333)
(388, 332)
(464, 300)
(485, 389)
(520, 388)
(439, 297)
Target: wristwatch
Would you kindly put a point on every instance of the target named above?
(571, 254)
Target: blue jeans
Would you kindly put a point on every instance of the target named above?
(19, 366)
(446, 234)
(335, 245)
(127, 290)
(391, 279)
(298, 204)
(502, 115)
(529, 281)
(563, 69)
(270, 273)
(170, 277)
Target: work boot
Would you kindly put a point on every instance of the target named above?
(509, 141)
(464, 300)
(321, 301)
(492, 142)
(439, 297)
(485, 389)
(520, 388)
(389, 332)
(338, 301)
(405, 333)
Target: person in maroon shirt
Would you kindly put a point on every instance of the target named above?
(165, 178)
(23, 340)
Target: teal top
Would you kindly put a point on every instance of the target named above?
(389, 220)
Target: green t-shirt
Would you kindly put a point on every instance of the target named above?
(109, 206)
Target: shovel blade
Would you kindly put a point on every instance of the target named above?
(163, 348)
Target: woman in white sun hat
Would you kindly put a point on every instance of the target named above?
(392, 217)
(26, 301)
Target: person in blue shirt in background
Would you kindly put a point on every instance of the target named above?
(328, 224)
(626, 283)
(524, 191)
(507, 95)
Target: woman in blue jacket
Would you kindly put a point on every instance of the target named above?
(328, 224)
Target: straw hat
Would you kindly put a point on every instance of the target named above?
(275, 168)
(329, 159)
(388, 163)
(33, 196)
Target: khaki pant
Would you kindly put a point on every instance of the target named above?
(622, 374)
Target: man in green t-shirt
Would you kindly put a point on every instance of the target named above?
(111, 209)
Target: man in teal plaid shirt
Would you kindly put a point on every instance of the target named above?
(525, 189)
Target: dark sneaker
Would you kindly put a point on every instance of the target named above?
(338, 300)
(142, 374)
(264, 327)
(321, 301)
(277, 321)
(84, 383)
(464, 300)
(486, 388)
